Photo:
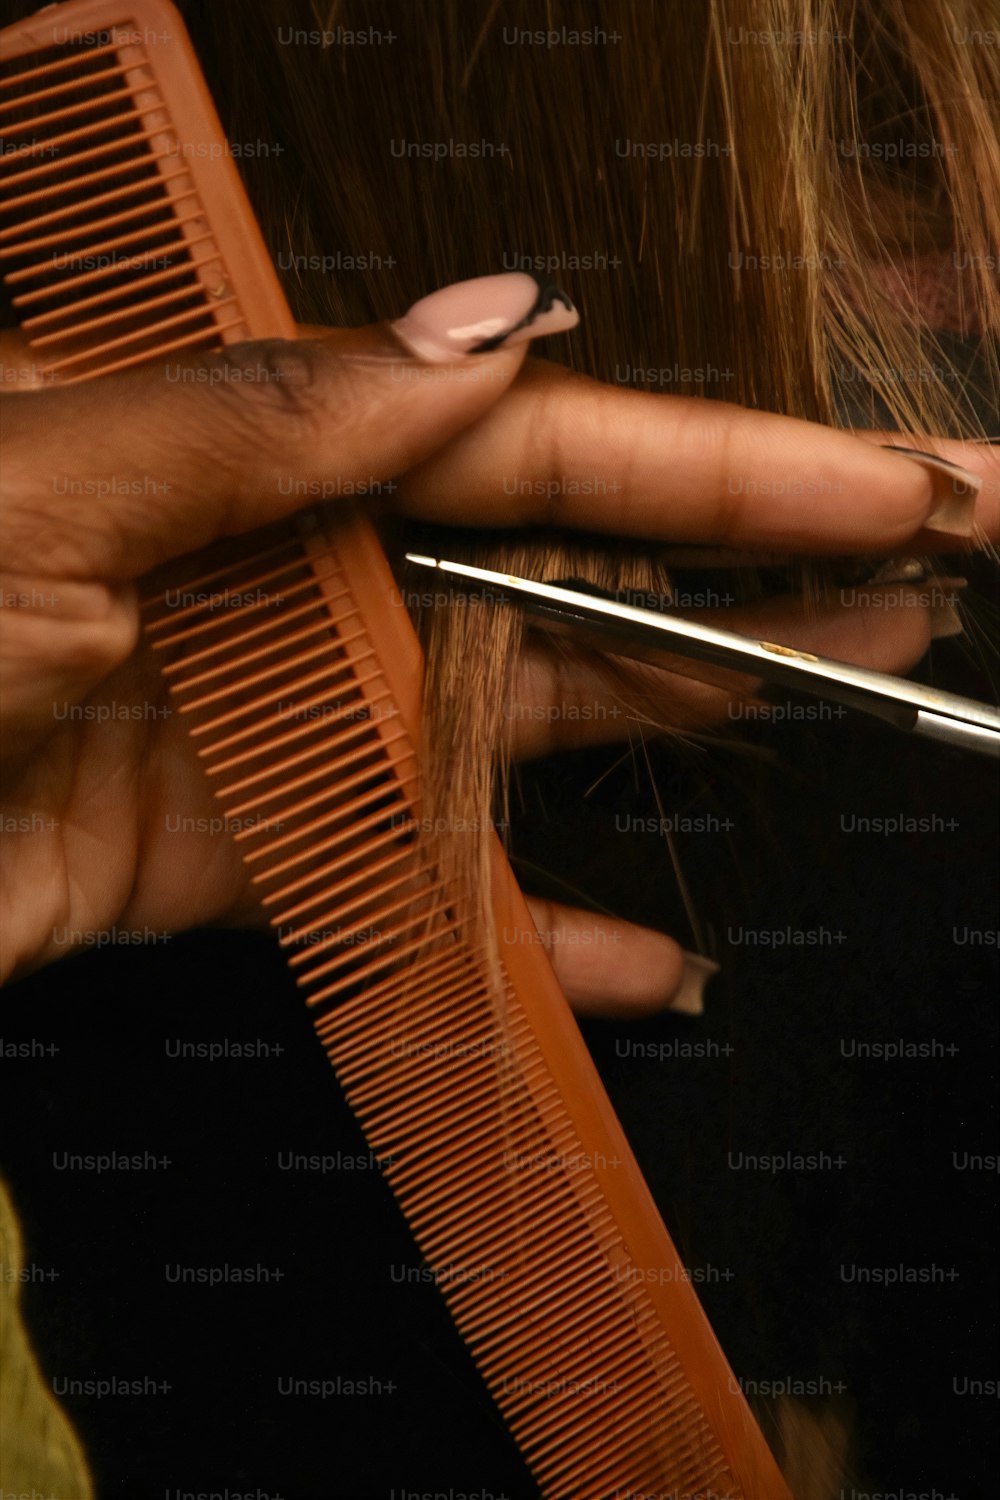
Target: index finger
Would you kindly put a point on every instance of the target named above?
(563, 450)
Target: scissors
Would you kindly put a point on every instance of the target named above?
(599, 620)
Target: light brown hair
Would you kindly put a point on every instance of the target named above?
(848, 146)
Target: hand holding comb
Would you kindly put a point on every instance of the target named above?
(304, 704)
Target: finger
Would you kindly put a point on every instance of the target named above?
(981, 459)
(58, 641)
(611, 968)
(112, 476)
(563, 701)
(564, 450)
(978, 457)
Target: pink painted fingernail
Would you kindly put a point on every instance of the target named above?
(487, 313)
(690, 998)
(955, 491)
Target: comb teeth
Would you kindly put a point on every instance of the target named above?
(103, 241)
(296, 731)
(502, 1196)
(562, 1342)
(125, 235)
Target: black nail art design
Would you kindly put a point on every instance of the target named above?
(548, 295)
(933, 458)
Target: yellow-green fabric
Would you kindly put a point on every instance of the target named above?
(39, 1451)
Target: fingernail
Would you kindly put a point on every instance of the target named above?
(939, 597)
(945, 621)
(487, 313)
(955, 491)
(690, 998)
(945, 618)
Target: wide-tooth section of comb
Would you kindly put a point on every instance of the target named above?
(104, 243)
(300, 684)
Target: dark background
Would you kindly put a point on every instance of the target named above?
(771, 1245)
(341, 1307)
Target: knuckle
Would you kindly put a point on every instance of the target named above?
(274, 384)
(721, 446)
(277, 372)
(583, 417)
(97, 646)
(35, 531)
(64, 631)
(550, 416)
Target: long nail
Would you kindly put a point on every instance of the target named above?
(487, 313)
(930, 591)
(956, 489)
(690, 998)
(945, 618)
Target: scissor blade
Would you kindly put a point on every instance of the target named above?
(650, 635)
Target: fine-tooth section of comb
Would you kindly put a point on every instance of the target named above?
(126, 238)
(317, 774)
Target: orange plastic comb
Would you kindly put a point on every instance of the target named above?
(126, 238)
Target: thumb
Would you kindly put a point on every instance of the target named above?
(113, 476)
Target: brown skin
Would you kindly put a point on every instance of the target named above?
(85, 800)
